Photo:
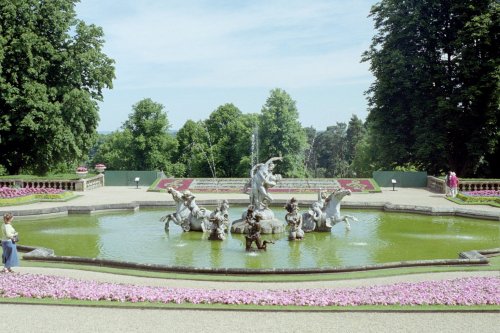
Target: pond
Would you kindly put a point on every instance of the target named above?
(378, 237)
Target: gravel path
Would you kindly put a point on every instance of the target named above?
(53, 319)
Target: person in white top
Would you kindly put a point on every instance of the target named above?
(9, 234)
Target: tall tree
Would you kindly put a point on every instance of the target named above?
(435, 101)
(52, 73)
(310, 158)
(355, 133)
(152, 147)
(194, 150)
(281, 134)
(113, 151)
(230, 133)
(331, 152)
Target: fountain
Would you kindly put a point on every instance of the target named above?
(378, 238)
(262, 178)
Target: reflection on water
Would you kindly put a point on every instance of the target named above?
(377, 237)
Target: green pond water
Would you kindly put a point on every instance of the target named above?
(378, 237)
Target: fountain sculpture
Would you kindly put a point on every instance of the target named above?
(322, 216)
(294, 220)
(187, 214)
(325, 212)
(220, 221)
(262, 179)
(254, 229)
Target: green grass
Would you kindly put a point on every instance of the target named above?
(494, 202)
(494, 266)
(244, 307)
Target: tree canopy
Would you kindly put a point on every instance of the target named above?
(435, 100)
(144, 143)
(52, 73)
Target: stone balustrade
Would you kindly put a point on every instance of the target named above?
(67, 185)
(435, 184)
(478, 185)
(438, 185)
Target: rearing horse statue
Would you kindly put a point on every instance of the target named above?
(325, 213)
(187, 213)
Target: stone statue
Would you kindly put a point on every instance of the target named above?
(263, 179)
(253, 231)
(294, 220)
(325, 213)
(187, 215)
(180, 217)
(220, 221)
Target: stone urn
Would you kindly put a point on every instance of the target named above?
(100, 168)
(81, 171)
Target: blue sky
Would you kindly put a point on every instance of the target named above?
(195, 55)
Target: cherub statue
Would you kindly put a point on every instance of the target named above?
(294, 220)
(253, 231)
(220, 221)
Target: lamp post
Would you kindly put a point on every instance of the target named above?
(393, 181)
(137, 182)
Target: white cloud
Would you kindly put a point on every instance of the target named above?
(264, 44)
(230, 44)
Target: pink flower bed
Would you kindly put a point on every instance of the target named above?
(483, 193)
(7, 192)
(464, 291)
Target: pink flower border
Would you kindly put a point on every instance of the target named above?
(462, 291)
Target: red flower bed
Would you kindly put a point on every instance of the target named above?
(178, 184)
(357, 185)
(286, 186)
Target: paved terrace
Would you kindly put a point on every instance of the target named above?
(116, 197)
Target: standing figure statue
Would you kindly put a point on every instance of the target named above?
(187, 214)
(263, 179)
(325, 213)
(254, 230)
(294, 220)
(220, 221)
